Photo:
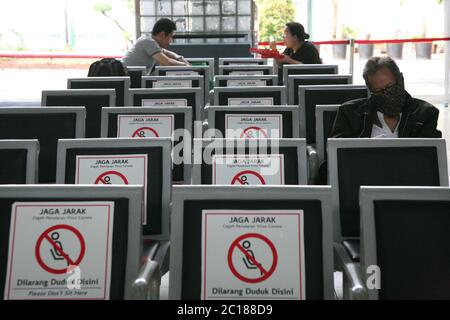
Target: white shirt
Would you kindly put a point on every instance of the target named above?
(384, 131)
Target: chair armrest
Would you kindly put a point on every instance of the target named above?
(162, 256)
(147, 285)
(211, 97)
(149, 249)
(353, 285)
(204, 129)
(313, 164)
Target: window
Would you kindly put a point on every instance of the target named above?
(201, 17)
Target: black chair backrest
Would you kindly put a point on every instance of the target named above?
(291, 164)
(230, 81)
(192, 240)
(107, 83)
(154, 180)
(190, 97)
(13, 166)
(276, 96)
(413, 248)
(150, 82)
(233, 69)
(135, 78)
(171, 73)
(313, 82)
(287, 131)
(179, 123)
(393, 166)
(315, 97)
(328, 123)
(304, 70)
(92, 102)
(47, 128)
(125, 250)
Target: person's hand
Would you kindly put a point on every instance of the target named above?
(273, 45)
(285, 59)
(183, 60)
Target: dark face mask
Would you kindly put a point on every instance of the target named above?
(391, 100)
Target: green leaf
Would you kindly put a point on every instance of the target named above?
(102, 7)
(276, 14)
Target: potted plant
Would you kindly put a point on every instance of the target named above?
(424, 49)
(366, 50)
(340, 50)
(395, 50)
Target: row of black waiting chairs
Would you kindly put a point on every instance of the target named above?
(388, 242)
(332, 214)
(351, 162)
(419, 162)
(48, 124)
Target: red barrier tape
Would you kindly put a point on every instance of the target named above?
(401, 40)
(46, 55)
(281, 43)
(333, 42)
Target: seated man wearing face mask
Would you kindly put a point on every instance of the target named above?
(390, 112)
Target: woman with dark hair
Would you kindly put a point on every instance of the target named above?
(298, 50)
